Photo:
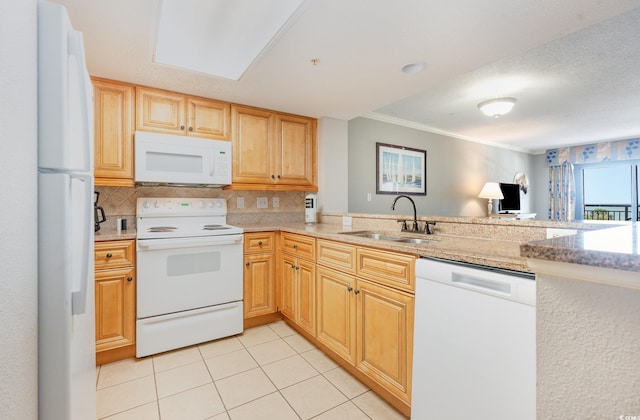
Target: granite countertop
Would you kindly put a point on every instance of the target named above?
(617, 248)
(109, 233)
(488, 252)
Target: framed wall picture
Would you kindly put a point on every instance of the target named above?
(400, 170)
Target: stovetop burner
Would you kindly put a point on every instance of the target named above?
(164, 218)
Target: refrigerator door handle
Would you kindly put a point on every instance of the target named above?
(76, 48)
(79, 296)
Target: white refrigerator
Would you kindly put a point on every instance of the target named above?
(66, 315)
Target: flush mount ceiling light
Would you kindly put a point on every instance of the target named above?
(497, 107)
(413, 67)
(219, 37)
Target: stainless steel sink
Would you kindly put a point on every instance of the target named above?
(387, 237)
(415, 240)
(374, 235)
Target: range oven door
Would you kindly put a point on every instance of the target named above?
(180, 274)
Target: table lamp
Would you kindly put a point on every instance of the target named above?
(491, 190)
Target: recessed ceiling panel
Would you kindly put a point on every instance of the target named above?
(218, 37)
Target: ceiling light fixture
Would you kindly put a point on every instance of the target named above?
(413, 67)
(497, 107)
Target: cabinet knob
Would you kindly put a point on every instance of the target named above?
(278, 176)
(293, 266)
(356, 291)
(295, 246)
(297, 267)
(247, 264)
(182, 127)
(190, 128)
(109, 255)
(349, 288)
(259, 243)
(129, 278)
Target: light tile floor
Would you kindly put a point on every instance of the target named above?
(269, 372)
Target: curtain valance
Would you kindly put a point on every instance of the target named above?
(597, 152)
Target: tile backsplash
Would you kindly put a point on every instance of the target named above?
(121, 201)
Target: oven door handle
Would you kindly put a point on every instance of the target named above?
(176, 243)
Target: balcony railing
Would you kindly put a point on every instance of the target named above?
(610, 212)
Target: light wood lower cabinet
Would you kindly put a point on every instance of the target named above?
(115, 300)
(298, 280)
(385, 336)
(259, 274)
(364, 315)
(337, 312)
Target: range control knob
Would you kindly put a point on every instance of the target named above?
(145, 204)
(201, 204)
(156, 204)
(218, 204)
(210, 205)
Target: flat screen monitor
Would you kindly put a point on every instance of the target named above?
(511, 200)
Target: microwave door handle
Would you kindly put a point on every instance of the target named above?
(212, 167)
(156, 244)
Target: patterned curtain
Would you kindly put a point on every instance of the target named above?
(562, 193)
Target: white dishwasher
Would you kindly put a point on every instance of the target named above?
(474, 350)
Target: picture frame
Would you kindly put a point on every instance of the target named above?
(400, 170)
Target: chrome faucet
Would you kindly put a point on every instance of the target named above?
(415, 213)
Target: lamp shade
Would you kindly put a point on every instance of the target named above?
(491, 190)
(497, 107)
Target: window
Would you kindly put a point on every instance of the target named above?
(607, 191)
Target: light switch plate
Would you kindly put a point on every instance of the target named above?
(346, 221)
(263, 202)
(240, 202)
(276, 202)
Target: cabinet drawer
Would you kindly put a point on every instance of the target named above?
(337, 255)
(299, 245)
(258, 242)
(390, 268)
(114, 254)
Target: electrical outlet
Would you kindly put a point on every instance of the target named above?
(263, 202)
(276, 202)
(240, 202)
(368, 196)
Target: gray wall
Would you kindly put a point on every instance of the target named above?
(333, 165)
(540, 188)
(18, 240)
(456, 170)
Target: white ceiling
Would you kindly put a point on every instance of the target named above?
(573, 64)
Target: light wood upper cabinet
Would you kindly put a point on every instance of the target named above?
(113, 132)
(252, 145)
(173, 113)
(273, 150)
(295, 147)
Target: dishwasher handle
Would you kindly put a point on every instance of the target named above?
(493, 287)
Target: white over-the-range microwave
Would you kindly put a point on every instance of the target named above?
(181, 160)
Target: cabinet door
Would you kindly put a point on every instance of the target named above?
(385, 336)
(160, 111)
(113, 133)
(288, 287)
(306, 296)
(115, 294)
(208, 119)
(296, 150)
(252, 145)
(337, 312)
(259, 285)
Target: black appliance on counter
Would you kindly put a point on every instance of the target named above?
(98, 212)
